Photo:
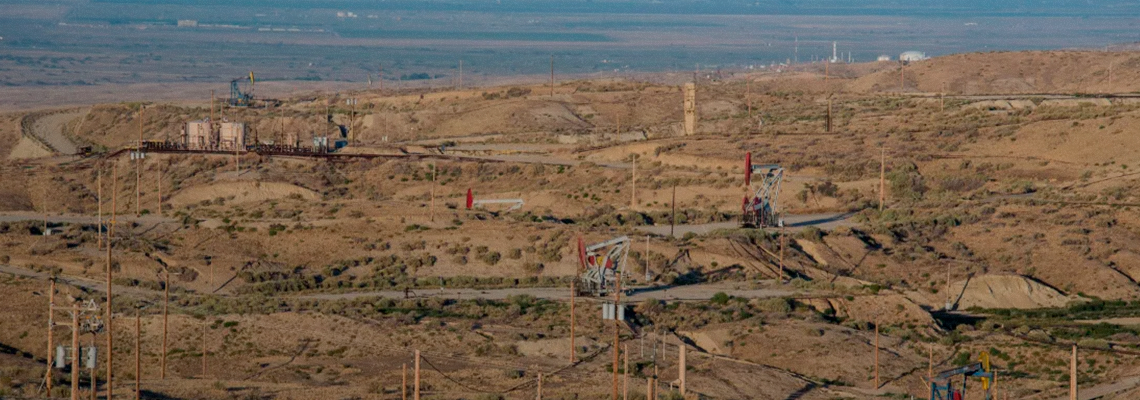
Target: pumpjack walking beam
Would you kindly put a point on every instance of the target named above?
(942, 385)
(760, 209)
(602, 264)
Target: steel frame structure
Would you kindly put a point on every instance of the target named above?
(602, 264)
(472, 203)
(942, 385)
(760, 210)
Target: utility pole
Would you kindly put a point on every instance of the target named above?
(617, 327)
(158, 187)
(876, 353)
(748, 95)
(433, 173)
(51, 326)
(646, 258)
(551, 75)
(75, 351)
(673, 223)
(681, 350)
(138, 167)
(829, 114)
(91, 369)
(633, 186)
(44, 197)
(165, 318)
(539, 397)
(1073, 375)
(416, 388)
(882, 177)
(930, 364)
(380, 78)
(902, 75)
(572, 348)
(352, 121)
(942, 98)
(204, 325)
(783, 245)
(460, 74)
(110, 321)
(625, 376)
(99, 201)
(138, 355)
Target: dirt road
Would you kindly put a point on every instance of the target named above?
(794, 223)
(675, 293)
(48, 128)
(1100, 391)
(146, 220)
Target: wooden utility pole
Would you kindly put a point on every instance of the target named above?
(165, 318)
(573, 350)
(625, 376)
(633, 186)
(158, 188)
(204, 326)
(882, 177)
(44, 197)
(75, 351)
(460, 74)
(110, 307)
(617, 330)
(91, 371)
(552, 75)
(416, 387)
(380, 77)
(673, 223)
(51, 326)
(649, 395)
(138, 167)
(930, 364)
(1110, 75)
(1073, 375)
(942, 98)
(783, 245)
(138, 355)
(99, 201)
(902, 76)
(748, 95)
(681, 350)
(876, 353)
(539, 396)
(431, 217)
(829, 114)
(404, 383)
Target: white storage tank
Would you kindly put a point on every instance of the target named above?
(232, 136)
(198, 135)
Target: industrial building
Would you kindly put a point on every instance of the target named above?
(884, 57)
